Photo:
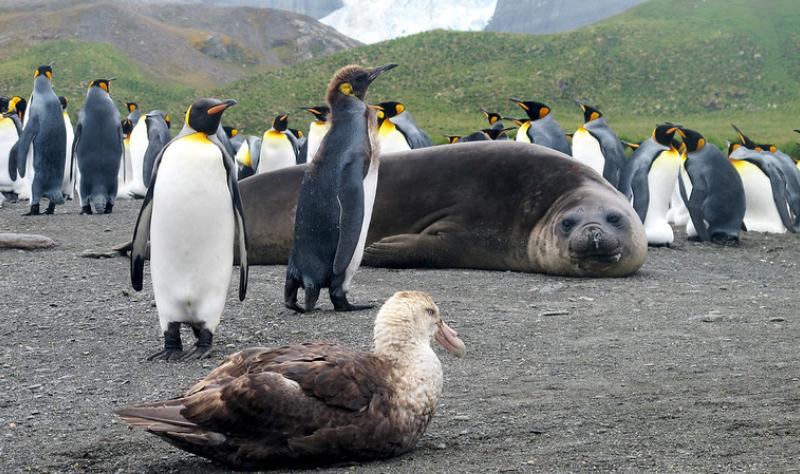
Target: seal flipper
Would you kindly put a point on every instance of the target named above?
(641, 192)
(410, 251)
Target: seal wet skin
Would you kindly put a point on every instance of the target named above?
(483, 205)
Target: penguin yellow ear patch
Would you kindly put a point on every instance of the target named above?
(48, 74)
(346, 88)
(594, 116)
(701, 143)
(543, 112)
(36, 73)
(400, 108)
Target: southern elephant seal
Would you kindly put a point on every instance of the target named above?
(481, 205)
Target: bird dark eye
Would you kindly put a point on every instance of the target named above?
(430, 311)
(614, 219)
(567, 224)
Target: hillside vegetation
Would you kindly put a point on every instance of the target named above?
(702, 64)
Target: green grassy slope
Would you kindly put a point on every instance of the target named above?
(78, 62)
(702, 64)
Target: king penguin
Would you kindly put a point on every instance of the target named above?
(68, 185)
(191, 233)
(125, 170)
(541, 128)
(397, 130)
(790, 174)
(137, 188)
(247, 157)
(713, 193)
(234, 137)
(157, 126)
(98, 149)
(316, 130)
(10, 129)
(596, 145)
(43, 141)
(277, 147)
(764, 190)
(495, 123)
(336, 196)
(134, 114)
(650, 178)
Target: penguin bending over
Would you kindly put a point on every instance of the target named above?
(68, 185)
(713, 193)
(397, 130)
(277, 147)
(191, 233)
(234, 137)
(650, 178)
(44, 138)
(540, 127)
(98, 148)
(595, 144)
(134, 114)
(336, 196)
(247, 157)
(495, 123)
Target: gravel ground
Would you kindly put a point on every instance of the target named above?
(692, 365)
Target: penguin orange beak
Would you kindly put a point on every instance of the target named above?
(380, 70)
(218, 109)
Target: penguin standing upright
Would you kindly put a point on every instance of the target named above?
(68, 185)
(44, 139)
(125, 169)
(336, 196)
(316, 131)
(650, 178)
(541, 128)
(10, 129)
(98, 149)
(247, 157)
(596, 145)
(713, 192)
(397, 130)
(678, 213)
(157, 126)
(764, 190)
(138, 147)
(190, 215)
(277, 147)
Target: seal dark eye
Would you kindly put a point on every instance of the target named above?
(614, 219)
(567, 224)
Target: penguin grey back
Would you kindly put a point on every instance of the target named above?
(611, 146)
(157, 138)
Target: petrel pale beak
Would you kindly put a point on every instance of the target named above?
(218, 109)
(449, 339)
(380, 70)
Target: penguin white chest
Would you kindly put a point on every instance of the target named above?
(661, 181)
(586, 149)
(138, 149)
(191, 233)
(760, 215)
(391, 139)
(8, 137)
(522, 133)
(276, 152)
(370, 190)
(68, 183)
(316, 133)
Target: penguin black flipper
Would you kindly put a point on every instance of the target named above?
(415, 136)
(778, 183)
(640, 190)
(613, 153)
(302, 156)
(238, 210)
(24, 145)
(350, 199)
(695, 205)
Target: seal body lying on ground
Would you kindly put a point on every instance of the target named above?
(481, 205)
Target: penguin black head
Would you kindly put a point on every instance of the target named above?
(204, 115)
(590, 113)
(46, 71)
(664, 134)
(733, 147)
(352, 82)
(391, 109)
(63, 101)
(281, 122)
(230, 131)
(492, 117)
(101, 83)
(535, 110)
(3, 104)
(132, 106)
(693, 140)
(320, 112)
(19, 105)
(127, 127)
(745, 140)
(297, 133)
(452, 138)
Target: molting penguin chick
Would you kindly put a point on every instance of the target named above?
(98, 149)
(336, 196)
(541, 128)
(189, 214)
(314, 402)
